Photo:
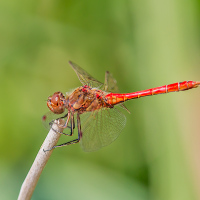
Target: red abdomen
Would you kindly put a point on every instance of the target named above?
(175, 87)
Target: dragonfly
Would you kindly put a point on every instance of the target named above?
(94, 108)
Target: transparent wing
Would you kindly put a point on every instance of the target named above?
(84, 77)
(50, 117)
(110, 85)
(100, 128)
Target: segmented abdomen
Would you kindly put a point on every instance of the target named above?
(175, 87)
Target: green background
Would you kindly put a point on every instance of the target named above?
(144, 44)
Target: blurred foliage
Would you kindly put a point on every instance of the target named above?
(144, 44)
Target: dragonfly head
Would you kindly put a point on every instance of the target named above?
(56, 103)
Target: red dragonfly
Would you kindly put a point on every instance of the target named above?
(94, 106)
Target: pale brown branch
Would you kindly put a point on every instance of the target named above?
(40, 161)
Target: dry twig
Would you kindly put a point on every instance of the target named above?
(40, 161)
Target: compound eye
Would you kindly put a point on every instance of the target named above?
(56, 103)
(55, 99)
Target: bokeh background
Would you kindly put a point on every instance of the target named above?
(144, 44)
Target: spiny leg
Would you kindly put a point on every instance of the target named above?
(72, 125)
(66, 124)
(52, 122)
(73, 141)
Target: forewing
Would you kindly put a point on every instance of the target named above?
(50, 117)
(100, 128)
(84, 77)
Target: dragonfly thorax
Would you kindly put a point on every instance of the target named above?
(86, 99)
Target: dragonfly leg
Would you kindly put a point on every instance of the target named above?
(73, 141)
(66, 124)
(72, 126)
(79, 126)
